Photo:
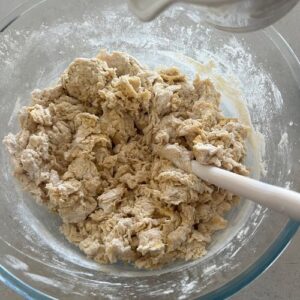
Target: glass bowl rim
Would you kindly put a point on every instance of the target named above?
(230, 288)
(224, 292)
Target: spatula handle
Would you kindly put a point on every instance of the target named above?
(277, 198)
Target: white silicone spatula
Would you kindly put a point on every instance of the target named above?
(282, 200)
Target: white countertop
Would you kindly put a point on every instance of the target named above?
(282, 279)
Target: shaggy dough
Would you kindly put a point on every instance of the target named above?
(88, 150)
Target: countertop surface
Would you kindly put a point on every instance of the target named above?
(281, 280)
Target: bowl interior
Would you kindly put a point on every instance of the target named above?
(39, 45)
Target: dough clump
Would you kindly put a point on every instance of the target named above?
(88, 149)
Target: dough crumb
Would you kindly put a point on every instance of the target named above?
(89, 149)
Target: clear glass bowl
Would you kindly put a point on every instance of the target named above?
(38, 41)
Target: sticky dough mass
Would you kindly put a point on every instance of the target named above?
(86, 149)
